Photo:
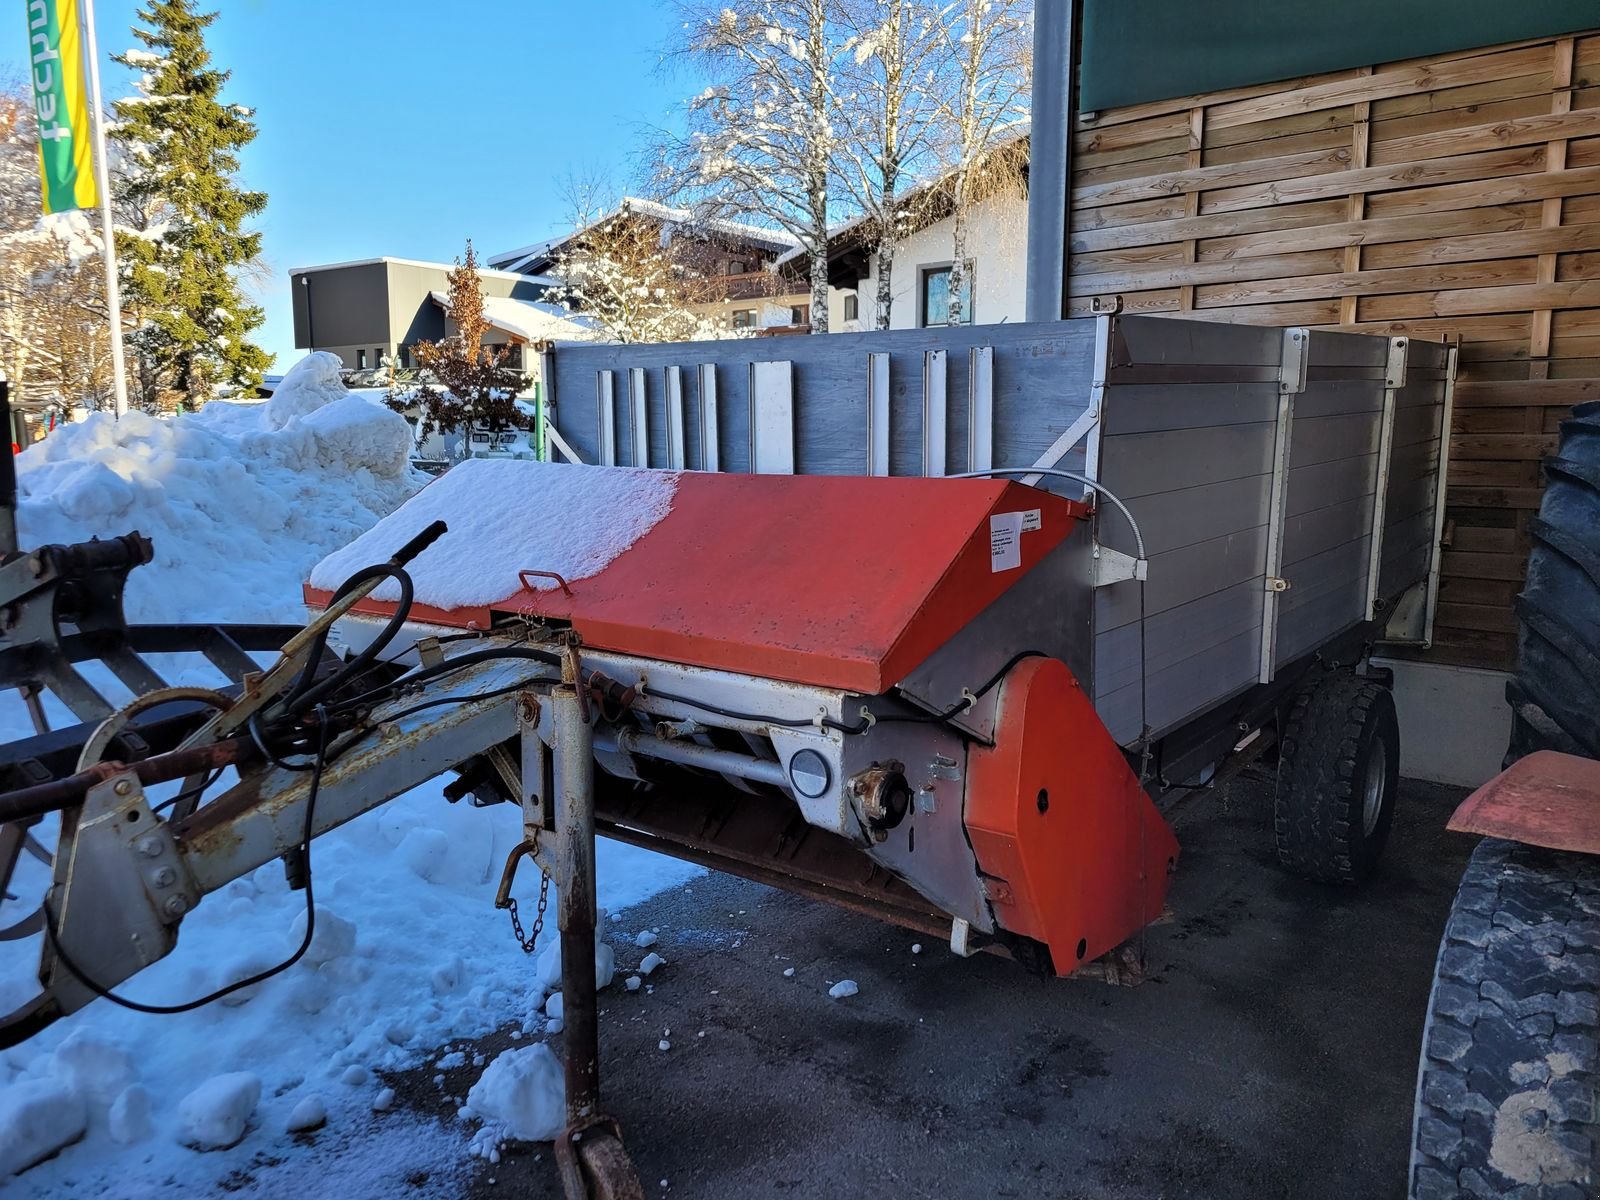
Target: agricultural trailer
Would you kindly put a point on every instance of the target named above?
(937, 625)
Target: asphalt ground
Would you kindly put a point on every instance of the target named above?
(1270, 1052)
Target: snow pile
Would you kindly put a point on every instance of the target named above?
(409, 953)
(507, 515)
(523, 1093)
(239, 500)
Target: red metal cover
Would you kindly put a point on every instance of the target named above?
(837, 581)
(1546, 799)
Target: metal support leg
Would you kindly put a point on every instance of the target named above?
(589, 1153)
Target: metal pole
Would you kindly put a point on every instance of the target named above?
(1050, 162)
(102, 167)
(8, 477)
(575, 914)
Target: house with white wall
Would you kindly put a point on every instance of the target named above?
(997, 240)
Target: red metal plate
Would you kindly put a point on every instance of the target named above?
(837, 581)
(1546, 799)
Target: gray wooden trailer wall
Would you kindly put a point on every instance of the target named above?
(1248, 455)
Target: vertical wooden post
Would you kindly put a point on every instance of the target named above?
(1191, 201)
(1555, 159)
(1356, 206)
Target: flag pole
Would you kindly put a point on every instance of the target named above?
(102, 167)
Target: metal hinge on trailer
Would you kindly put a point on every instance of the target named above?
(1113, 566)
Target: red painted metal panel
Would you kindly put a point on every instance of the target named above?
(837, 581)
(1075, 854)
(1546, 799)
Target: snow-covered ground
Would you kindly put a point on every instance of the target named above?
(241, 502)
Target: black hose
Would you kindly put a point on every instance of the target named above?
(306, 693)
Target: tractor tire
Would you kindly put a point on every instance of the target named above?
(1555, 693)
(1338, 769)
(1506, 1085)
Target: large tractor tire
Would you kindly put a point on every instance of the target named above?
(1506, 1087)
(1555, 693)
(1338, 770)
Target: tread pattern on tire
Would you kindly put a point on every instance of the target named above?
(1555, 693)
(1317, 795)
(1506, 1086)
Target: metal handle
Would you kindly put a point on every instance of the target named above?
(421, 542)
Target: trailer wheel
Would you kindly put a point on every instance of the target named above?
(1507, 1078)
(1338, 766)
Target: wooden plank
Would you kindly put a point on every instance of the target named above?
(1356, 204)
(1442, 249)
(1494, 497)
(1453, 104)
(1486, 539)
(1488, 190)
(1310, 312)
(1477, 591)
(1580, 294)
(1367, 283)
(1142, 233)
(1558, 393)
(1531, 97)
(1475, 616)
(1485, 566)
(1191, 204)
(1373, 232)
(1390, 81)
(1171, 183)
(1523, 131)
(1513, 447)
(1140, 211)
(1159, 275)
(1555, 160)
(1461, 167)
(1494, 474)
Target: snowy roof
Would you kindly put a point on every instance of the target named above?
(772, 239)
(416, 262)
(531, 320)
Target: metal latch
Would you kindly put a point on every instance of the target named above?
(1113, 566)
(1275, 584)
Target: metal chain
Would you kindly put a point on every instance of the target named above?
(528, 943)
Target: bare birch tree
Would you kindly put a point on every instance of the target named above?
(987, 44)
(761, 138)
(890, 111)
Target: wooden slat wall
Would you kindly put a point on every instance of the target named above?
(1451, 197)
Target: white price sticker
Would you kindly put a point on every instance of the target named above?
(1005, 541)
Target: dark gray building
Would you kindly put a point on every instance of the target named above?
(376, 307)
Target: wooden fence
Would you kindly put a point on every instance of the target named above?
(1449, 197)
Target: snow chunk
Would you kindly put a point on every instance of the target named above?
(548, 967)
(554, 1008)
(310, 1113)
(94, 492)
(37, 1118)
(788, 972)
(93, 1066)
(522, 1090)
(845, 987)
(650, 963)
(645, 940)
(307, 386)
(384, 1100)
(632, 983)
(334, 936)
(129, 1118)
(354, 1075)
(504, 514)
(215, 1115)
(916, 947)
(663, 1045)
(426, 851)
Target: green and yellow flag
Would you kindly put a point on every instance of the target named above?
(61, 100)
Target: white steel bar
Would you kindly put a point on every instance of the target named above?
(935, 413)
(606, 432)
(673, 397)
(877, 414)
(638, 417)
(710, 459)
(771, 418)
(980, 408)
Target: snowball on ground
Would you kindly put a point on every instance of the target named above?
(845, 987)
(128, 1120)
(554, 1008)
(309, 1113)
(216, 1114)
(95, 1066)
(426, 852)
(523, 1091)
(37, 1118)
(650, 963)
(384, 1100)
(334, 937)
(504, 514)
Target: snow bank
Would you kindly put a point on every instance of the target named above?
(409, 953)
(505, 516)
(240, 500)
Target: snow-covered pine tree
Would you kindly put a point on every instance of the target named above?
(889, 110)
(761, 137)
(180, 144)
(988, 46)
(475, 387)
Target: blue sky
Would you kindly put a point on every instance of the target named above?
(403, 127)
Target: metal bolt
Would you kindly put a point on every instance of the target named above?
(175, 905)
(388, 731)
(163, 877)
(150, 847)
(123, 787)
(36, 565)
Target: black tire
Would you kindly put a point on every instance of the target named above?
(1339, 741)
(1555, 693)
(1506, 1086)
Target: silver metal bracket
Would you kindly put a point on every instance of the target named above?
(1394, 373)
(1276, 584)
(1113, 566)
(1296, 358)
(961, 937)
